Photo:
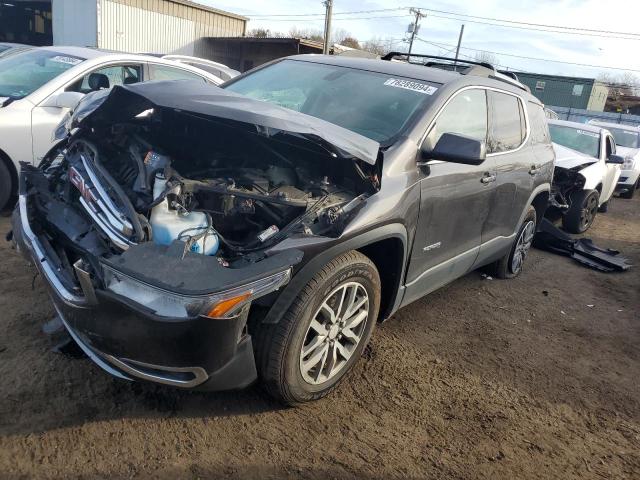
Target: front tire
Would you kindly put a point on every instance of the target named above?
(581, 215)
(511, 264)
(318, 340)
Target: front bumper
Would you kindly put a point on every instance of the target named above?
(628, 179)
(130, 343)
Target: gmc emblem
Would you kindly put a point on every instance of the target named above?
(77, 181)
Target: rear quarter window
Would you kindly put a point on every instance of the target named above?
(506, 126)
(538, 124)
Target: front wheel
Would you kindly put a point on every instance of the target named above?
(511, 264)
(322, 335)
(584, 207)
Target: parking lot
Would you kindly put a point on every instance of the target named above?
(531, 378)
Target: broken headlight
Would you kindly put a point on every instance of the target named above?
(165, 303)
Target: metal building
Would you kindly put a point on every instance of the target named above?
(569, 92)
(151, 26)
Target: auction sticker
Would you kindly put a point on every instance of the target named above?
(590, 134)
(411, 85)
(65, 59)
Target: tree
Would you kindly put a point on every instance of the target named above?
(308, 33)
(379, 46)
(259, 33)
(350, 42)
(487, 57)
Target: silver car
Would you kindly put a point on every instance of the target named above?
(39, 86)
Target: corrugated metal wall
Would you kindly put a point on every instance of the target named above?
(160, 26)
(561, 91)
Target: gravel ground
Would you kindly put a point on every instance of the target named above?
(538, 377)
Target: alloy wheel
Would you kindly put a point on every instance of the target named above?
(588, 212)
(335, 331)
(523, 244)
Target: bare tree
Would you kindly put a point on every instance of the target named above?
(308, 33)
(487, 57)
(259, 33)
(380, 46)
(350, 42)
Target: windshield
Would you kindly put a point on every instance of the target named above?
(576, 139)
(372, 104)
(624, 138)
(24, 73)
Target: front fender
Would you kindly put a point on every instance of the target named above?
(306, 273)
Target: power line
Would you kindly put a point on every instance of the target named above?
(560, 27)
(543, 59)
(334, 19)
(532, 28)
(334, 13)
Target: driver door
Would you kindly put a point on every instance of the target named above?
(455, 201)
(44, 118)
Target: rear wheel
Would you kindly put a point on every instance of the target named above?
(584, 207)
(5, 185)
(322, 335)
(511, 264)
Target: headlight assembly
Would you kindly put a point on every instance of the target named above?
(628, 163)
(164, 303)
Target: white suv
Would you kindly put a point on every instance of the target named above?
(627, 139)
(39, 86)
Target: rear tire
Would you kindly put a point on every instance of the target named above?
(5, 186)
(318, 322)
(511, 264)
(584, 207)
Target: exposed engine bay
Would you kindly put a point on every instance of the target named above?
(221, 190)
(566, 181)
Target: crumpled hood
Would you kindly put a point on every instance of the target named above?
(568, 158)
(124, 103)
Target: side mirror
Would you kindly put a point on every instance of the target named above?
(63, 100)
(456, 148)
(615, 159)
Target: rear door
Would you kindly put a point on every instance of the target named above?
(513, 162)
(454, 203)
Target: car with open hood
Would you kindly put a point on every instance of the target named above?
(627, 139)
(38, 86)
(587, 169)
(205, 237)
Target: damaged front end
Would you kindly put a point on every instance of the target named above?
(566, 181)
(154, 222)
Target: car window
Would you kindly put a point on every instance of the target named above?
(107, 77)
(373, 104)
(25, 72)
(625, 138)
(578, 139)
(505, 128)
(465, 114)
(538, 124)
(166, 72)
(611, 147)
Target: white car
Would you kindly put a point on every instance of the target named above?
(218, 69)
(39, 86)
(627, 139)
(586, 171)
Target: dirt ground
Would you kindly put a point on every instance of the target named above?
(537, 377)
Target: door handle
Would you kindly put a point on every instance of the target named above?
(488, 178)
(533, 170)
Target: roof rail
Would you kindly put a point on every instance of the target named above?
(503, 76)
(391, 55)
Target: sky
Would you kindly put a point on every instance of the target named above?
(599, 49)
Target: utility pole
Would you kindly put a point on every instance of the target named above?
(416, 27)
(327, 26)
(455, 62)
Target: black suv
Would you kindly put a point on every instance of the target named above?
(205, 237)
